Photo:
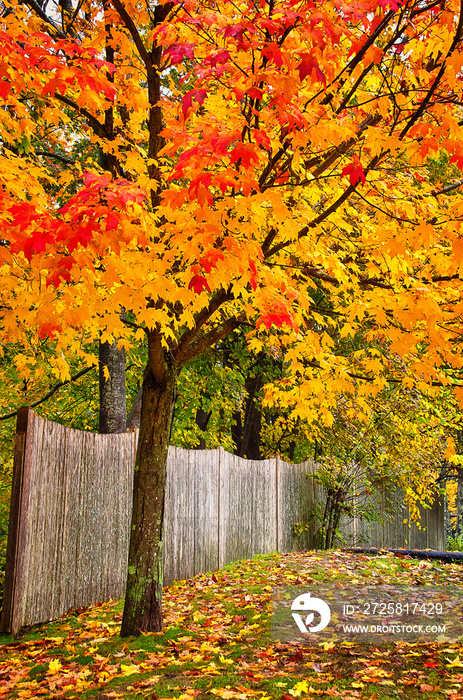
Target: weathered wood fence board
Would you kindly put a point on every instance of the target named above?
(69, 520)
(70, 516)
(394, 532)
(297, 497)
(247, 508)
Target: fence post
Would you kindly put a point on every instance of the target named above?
(10, 621)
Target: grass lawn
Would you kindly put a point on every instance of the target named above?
(216, 642)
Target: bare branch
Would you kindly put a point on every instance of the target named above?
(58, 156)
(56, 31)
(97, 127)
(51, 392)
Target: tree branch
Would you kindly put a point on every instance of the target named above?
(371, 378)
(181, 349)
(97, 127)
(198, 344)
(51, 392)
(318, 220)
(130, 25)
(437, 79)
(333, 155)
(49, 154)
(38, 11)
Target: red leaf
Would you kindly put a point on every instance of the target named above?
(178, 52)
(210, 260)
(48, 330)
(61, 273)
(53, 86)
(458, 159)
(236, 31)
(110, 67)
(309, 66)
(198, 283)
(255, 92)
(199, 189)
(355, 171)
(273, 53)
(393, 4)
(398, 48)
(217, 57)
(253, 279)
(5, 89)
(269, 24)
(37, 243)
(278, 317)
(187, 101)
(262, 138)
(244, 152)
(112, 222)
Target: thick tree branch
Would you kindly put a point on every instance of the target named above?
(333, 155)
(371, 378)
(354, 62)
(318, 220)
(423, 105)
(448, 188)
(156, 356)
(200, 342)
(315, 273)
(331, 209)
(181, 349)
(132, 324)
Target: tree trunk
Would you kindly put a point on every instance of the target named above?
(142, 611)
(134, 417)
(246, 435)
(202, 419)
(113, 407)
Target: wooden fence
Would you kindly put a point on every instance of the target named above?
(70, 515)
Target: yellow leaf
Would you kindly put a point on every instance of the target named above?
(129, 669)
(456, 663)
(54, 666)
(299, 688)
(223, 660)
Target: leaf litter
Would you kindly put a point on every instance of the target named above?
(216, 642)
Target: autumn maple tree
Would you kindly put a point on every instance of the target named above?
(258, 164)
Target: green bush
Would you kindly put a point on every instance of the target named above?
(455, 544)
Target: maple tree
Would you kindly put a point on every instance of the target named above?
(260, 164)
